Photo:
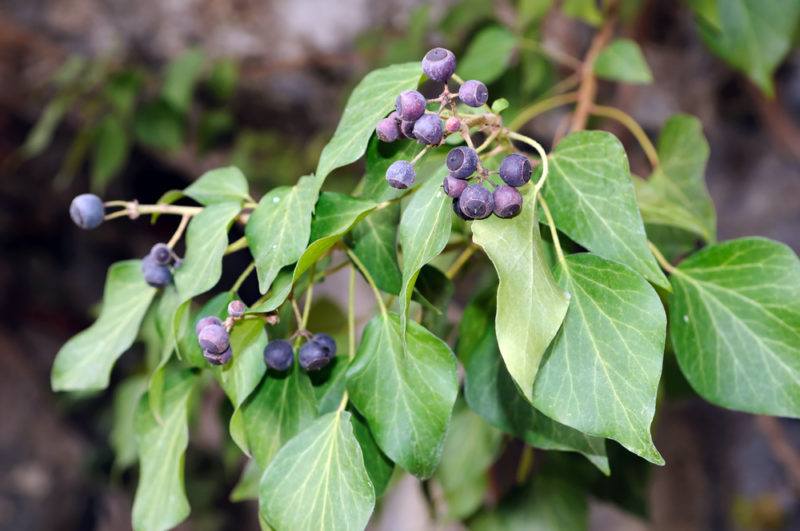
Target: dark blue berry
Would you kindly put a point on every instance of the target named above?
(428, 129)
(388, 130)
(214, 338)
(205, 321)
(507, 201)
(326, 342)
(462, 162)
(473, 93)
(313, 356)
(458, 211)
(439, 64)
(87, 211)
(161, 254)
(407, 129)
(400, 174)
(279, 355)
(155, 274)
(476, 202)
(410, 105)
(515, 170)
(453, 186)
(218, 359)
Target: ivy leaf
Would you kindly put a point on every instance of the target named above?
(280, 408)
(585, 10)
(242, 374)
(753, 36)
(111, 148)
(247, 486)
(374, 244)
(405, 391)
(735, 325)
(424, 230)
(85, 361)
(623, 60)
(221, 185)
(279, 228)
(378, 466)
(592, 198)
(321, 470)
(278, 292)
(675, 194)
(122, 438)
(160, 501)
(601, 373)
(165, 308)
(488, 54)
(180, 78)
(371, 100)
(530, 306)
(158, 125)
(167, 198)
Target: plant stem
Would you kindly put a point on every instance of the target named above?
(542, 155)
(134, 209)
(370, 281)
(420, 155)
(239, 281)
(298, 317)
(553, 232)
(542, 106)
(179, 231)
(351, 327)
(460, 260)
(525, 464)
(489, 140)
(669, 268)
(309, 295)
(632, 126)
(238, 245)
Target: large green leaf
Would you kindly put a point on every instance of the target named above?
(530, 306)
(122, 438)
(180, 78)
(601, 373)
(424, 230)
(221, 185)
(592, 198)
(406, 391)
(318, 480)
(488, 54)
(371, 100)
(753, 36)
(280, 408)
(379, 467)
(241, 375)
(735, 325)
(160, 501)
(676, 193)
(85, 361)
(110, 151)
(374, 244)
(279, 228)
(622, 60)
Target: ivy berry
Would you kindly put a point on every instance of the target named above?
(410, 105)
(439, 64)
(476, 202)
(473, 93)
(388, 129)
(507, 201)
(205, 321)
(401, 174)
(515, 170)
(236, 309)
(428, 129)
(87, 211)
(155, 274)
(279, 355)
(462, 162)
(313, 356)
(453, 186)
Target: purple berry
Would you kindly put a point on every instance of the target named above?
(313, 356)
(428, 129)
(439, 64)
(462, 162)
(452, 124)
(155, 274)
(87, 211)
(388, 130)
(476, 201)
(326, 342)
(515, 170)
(473, 93)
(410, 105)
(205, 321)
(453, 186)
(236, 309)
(458, 211)
(161, 254)
(279, 355)
(214, 339)
(401, 174)
(218, 359)
(507, 201)
(407, 129)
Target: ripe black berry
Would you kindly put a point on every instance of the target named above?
(205, 321)
(236, 309)
(388, 130)
(218, 359)
(515, 170)
(439, 64)
(410, 105)
(214, 338)
(161, 254)
(462, 162)
(279, 355)
(507, 201)
(326, 342)
(407, 129)
(458, 211)
(155, 274)
(400, 174)
(428, 129)
(476, 201)
(313, 356)
(473, 93)
(87, 211)
(453, 186)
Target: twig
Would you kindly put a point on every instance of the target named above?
(179, 231)
(632, 126)
(459, 262)
(529, 113)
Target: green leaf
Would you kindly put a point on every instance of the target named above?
(322, 471)
(242, 374)
(735, 325)
(278, 292)
(122, 437)
(160, 501)
(247, 486)
(167, 198)
(488, 54)
(279, 228)
(85, 361)
(676, 193)
(42, 133)
(499, 105)
(334, 215)
(158, 125)
(623, 60)
(374, 244)
(530, 306)
(280, 408)
(165, 308)
(591, 195)
(180, 79)
(121, 90)
(379, 157)
(585, 10)
(405, 391)
(706, 10)
(378, 466)
(223, 79)
(110, 151)
(601, 373)
(753, 36)
(222, 185)
(424, 230)
(371, 100)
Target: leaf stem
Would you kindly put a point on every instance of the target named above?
(351, 327)
(460, 260)
(633, 126)
(298, 317)
(525, 464)
(179, 231)
(553, 232)
(542, 155)
(669, 268)
(133, 210)
(370, 281)
(529, 113)
(239, 281)
(309, 295)
(238, 245)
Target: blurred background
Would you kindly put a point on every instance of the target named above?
(131, 99)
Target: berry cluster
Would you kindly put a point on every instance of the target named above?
(213, 334)
(475, 201)
(315, 354)
(156, 265)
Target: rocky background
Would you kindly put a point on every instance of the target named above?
(298, 59)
